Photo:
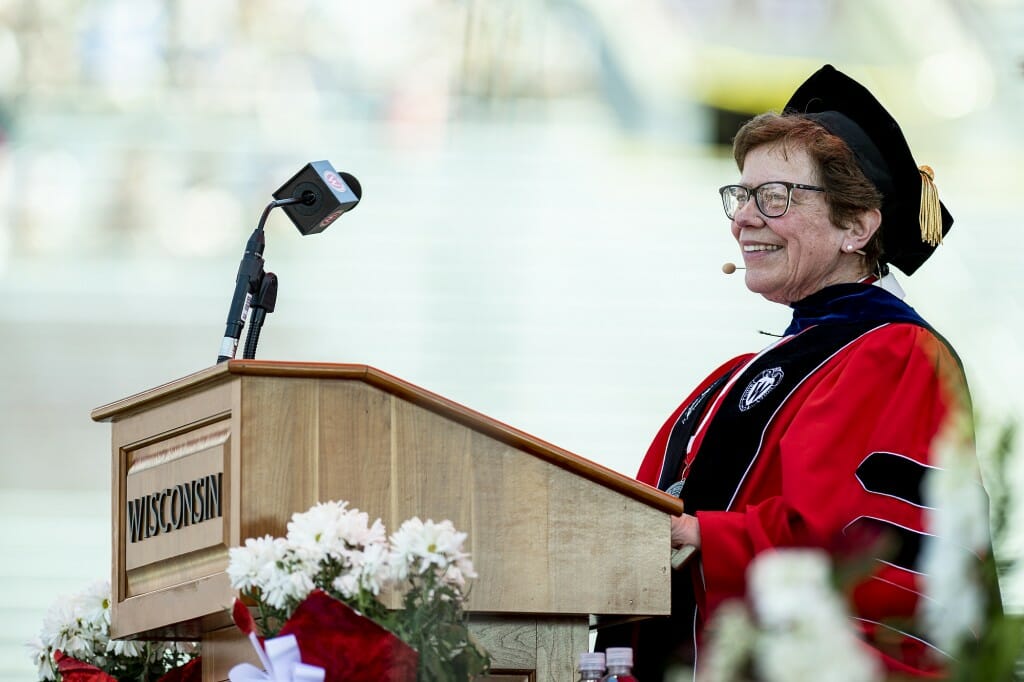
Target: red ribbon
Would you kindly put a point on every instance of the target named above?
(73, 670)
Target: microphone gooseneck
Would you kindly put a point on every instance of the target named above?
(248, 281)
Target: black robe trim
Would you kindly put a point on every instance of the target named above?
(894, 475)
(905, 544)
(735, 437)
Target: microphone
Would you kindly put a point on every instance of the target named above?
(729, 268)
(323, 195)
(313, 198)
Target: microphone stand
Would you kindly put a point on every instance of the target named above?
(249, 280)
(261, 306)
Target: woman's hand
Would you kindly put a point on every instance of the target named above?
(685, 531)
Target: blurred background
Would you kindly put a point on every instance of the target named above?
(539, 238)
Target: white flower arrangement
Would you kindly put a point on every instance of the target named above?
(79, 626)
(963, 613)
(730, 646)
(806, 627)
(798, 629)
(951, 561)
(336, 549)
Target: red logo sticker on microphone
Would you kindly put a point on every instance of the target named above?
(331, 218)
(334, 181)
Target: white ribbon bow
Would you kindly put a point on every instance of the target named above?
(282, 663)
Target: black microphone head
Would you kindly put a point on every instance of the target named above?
(353, 184)
(325, 193)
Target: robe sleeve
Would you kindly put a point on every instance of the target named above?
(882, 400)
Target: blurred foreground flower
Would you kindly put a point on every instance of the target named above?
(962, 611)
(797, 629)
(952, 562)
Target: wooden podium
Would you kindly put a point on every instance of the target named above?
(231, 452)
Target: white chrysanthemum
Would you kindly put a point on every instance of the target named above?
(953, 491)
(314, 532)
(255, 563)
(286, 588)
(454, 577)
(957, 521)
(79, 626)
(41, 655)
(347, 585)
(75, 643)
(730, 644)
(56, 620)
(273, 567)
(319, 520)
(806, 633)
(330, 529)
(375, 572)
(807, 653)
(65, 629)
(786, 583)
(420, 546)
(464, 565)
(183, 648)
(94, 604)
(128, 648)
(355, 529)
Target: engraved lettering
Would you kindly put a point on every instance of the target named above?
(165, 517)
(152, 516)
(136, 517)
(170, 509)
(186, 502)
(199, 491)
(213, 482)
(175, 507)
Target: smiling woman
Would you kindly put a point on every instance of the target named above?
(800, 251)
(773, 448)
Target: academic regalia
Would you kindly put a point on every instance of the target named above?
(820, 440)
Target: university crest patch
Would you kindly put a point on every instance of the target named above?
(761, 386)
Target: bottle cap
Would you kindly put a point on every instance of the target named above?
(619, 656)
(592, 661)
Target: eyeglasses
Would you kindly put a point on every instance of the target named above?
(772, 198)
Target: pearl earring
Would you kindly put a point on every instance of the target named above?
(849, 247)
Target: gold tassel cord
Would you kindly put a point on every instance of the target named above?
(931, 212)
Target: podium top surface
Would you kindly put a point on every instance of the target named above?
(449, 409)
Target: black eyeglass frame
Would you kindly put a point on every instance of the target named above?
(753, 191)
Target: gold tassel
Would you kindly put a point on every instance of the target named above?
(931, 213)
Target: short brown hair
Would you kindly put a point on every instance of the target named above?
(847, 190)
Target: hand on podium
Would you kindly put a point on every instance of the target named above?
(685, 539)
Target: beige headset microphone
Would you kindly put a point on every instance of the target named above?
(729, 268)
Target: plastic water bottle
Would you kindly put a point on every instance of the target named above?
(591, 667)
(620, 665)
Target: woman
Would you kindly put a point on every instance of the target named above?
(829, 430)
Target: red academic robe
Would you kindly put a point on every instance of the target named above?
(833, 458)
